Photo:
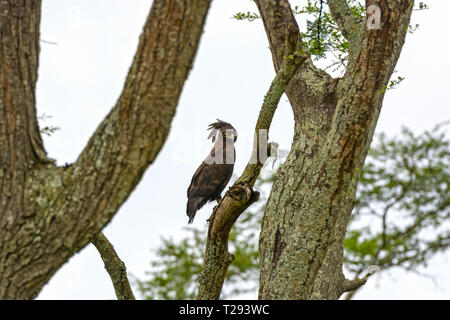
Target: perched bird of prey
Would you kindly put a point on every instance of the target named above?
(215, 172)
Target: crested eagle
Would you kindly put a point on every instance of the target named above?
(215, 171)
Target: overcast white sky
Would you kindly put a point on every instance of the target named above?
(81, 77)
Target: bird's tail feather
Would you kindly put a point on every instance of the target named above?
(193, 206)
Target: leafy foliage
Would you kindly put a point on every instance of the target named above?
(402, 213)
(246, 16)
(401, 218)
(174, 274)
(394, 83)
(322, 37)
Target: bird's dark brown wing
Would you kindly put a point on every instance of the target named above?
(208, 178)
(207, 184)
(192, 190)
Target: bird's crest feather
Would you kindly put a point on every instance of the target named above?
(215, 127)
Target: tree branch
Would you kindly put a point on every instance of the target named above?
(353, 285)
(20, 140)
(115, 267)
(241, 195)
(67, 206)
(310, 86)
(128, 140)
(327, 186)
(348, 24)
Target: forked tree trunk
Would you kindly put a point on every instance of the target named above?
(305, 220)
(48, 213)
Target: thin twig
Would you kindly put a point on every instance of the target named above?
(49, 42)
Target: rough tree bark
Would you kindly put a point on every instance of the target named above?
(48, 213)
(306, 216)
